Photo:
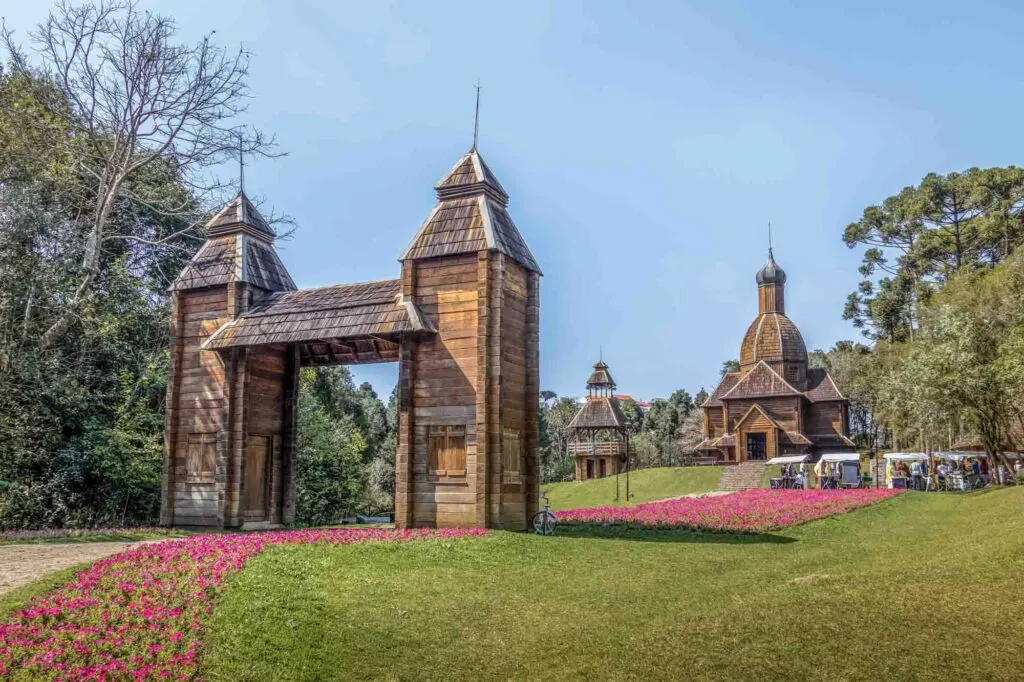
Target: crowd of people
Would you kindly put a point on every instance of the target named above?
(916, 471)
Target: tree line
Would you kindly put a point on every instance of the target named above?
(665, 436)
(942, 309)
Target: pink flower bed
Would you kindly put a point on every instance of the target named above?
(138, 614)
(748, 511)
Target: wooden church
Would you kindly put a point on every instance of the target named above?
(775, 404)
(461, 321)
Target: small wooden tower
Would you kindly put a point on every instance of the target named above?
(601, 433)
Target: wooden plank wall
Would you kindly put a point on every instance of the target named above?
(443, 372)
(825, 418)
(266, 368)
(785, 411)
(513, 389)
(196, 399)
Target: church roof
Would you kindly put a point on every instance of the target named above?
(774, 338)
(771, 272)
(336, 312)
(724, 386)
(600, 377)
(239, 214)
(821, 387)
(470, 216)
(599, 413)
(761, 382)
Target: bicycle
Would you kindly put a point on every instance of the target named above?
(544, 521)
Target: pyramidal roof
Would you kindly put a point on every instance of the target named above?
(239, 248)
(470, 216)
(468, 176)
(600, 377)
(239, 214)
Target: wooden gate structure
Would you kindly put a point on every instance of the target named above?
(462, 322)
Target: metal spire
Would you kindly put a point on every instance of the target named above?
(476, 122)
(769, 238)
(241, 166)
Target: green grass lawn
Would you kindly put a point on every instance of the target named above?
(924, 586)
(644, 485)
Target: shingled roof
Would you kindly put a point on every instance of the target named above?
(599, 413)
(236, 257)
(600, 377)
(724, 386)
(761, 382)
(470, 216)
(773, 337)
(821, 387)
(239, 213)
(336, 312)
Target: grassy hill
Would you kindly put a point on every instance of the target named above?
(880, 593)
(644, 485)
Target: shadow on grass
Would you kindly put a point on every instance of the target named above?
(636, 533)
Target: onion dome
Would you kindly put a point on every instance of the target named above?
(771, 273)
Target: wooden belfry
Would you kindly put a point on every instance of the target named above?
(462, 321)
(600, 430)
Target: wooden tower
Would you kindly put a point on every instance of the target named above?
(462, 321)
(467, 449)
(600, 429)
(230, 416)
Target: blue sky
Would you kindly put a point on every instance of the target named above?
(645, 147)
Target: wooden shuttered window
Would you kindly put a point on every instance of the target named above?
(201, 459)
(512, 456)
(447, 450)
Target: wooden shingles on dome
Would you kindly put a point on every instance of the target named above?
(371, 309)
(773, 337)
(599, 413)
(470, 216)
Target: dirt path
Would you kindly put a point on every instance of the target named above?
(21, 564)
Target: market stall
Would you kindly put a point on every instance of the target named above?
(792, 471)
(908, 470)
(838, 470)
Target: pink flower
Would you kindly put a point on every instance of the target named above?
(139, 613)
(748, 511)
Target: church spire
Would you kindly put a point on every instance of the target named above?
(771, 281)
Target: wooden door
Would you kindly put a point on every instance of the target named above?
(590, 469)
(757, 446)
(257, 460)
(602, 466)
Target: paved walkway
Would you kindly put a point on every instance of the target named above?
(21, 564)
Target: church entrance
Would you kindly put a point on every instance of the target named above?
(756, 446)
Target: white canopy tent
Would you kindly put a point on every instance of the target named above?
(789, 459)
(906, 456)
(840, 457)
(971, 455)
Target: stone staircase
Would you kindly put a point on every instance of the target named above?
(742, 476)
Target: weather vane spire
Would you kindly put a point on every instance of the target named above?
(241, 165)
(476, 121)
(769, 237)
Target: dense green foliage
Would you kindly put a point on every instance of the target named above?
(924, 236)
(346, 449)
(81, 421)
(853, 597)
(664, 436)
(948, 318)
